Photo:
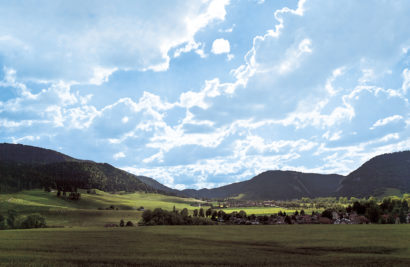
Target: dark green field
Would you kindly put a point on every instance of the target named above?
(347, 245)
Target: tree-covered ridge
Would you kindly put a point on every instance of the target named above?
(68, 177)
(374, 176)
(26, 167)
(31, 154)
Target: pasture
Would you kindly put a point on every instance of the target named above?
(347, 245)
(91, 209)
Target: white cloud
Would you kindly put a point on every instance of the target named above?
(118, 155)
(101, 75)
(385, 121)
(221, 46)
(103, 37)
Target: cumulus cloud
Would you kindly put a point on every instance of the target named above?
(221, 46)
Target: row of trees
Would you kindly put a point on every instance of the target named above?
(163, 217)
(11, 220)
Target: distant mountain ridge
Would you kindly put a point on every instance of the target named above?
(275, 185)
(390, 170)
(26, 167)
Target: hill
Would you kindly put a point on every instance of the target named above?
(27, 167)
(275, 185)
(31, 154)
(381, 173)
(158, 186)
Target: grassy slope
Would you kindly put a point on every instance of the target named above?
(85, 212)
(302, 245)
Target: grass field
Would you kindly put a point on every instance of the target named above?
(303, 245)
(86, 212)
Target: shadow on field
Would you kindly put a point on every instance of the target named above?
(313, 251)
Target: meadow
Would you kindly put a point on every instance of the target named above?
(285, 245)
(93, 209)
(81, 239)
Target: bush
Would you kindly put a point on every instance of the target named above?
(3, 223)
(122, 223)
(327, 213)
(34, 221)
(129, 224)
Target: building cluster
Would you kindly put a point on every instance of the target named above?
(336, 218)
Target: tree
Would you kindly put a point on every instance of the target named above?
(129, 224)
(122, 223)
(195, 213)
(296, 213)
(201, 212)
(208, 212)
(11, 218)
(147, 216)
(288, 220)
(405, 206)
(241, 214)
(302, 212)
(214, 215)
(3, 223)
(373, 213)
(327, 213)
(359, 208)
(184, 212)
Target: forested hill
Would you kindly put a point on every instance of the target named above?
(378, 174)
(275, 185)
(31, 154)
(387, 172)
(28, 167)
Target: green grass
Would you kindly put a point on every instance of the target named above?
(302, 245)
(85, 212)
(266, 210)
(62, 212)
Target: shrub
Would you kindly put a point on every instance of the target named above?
(3, 223)
(122, 223)
(129, 224)
(34, 221)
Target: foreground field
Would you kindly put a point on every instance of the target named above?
(347, 245)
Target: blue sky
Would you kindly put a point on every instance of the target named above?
(204, 93)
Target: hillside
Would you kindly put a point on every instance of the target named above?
(158, 186)
(30, 154)
(275, 185)
(377, 175)
(27, 167)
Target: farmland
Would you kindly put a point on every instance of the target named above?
(209, 245)
(93, 209)
(81, 238)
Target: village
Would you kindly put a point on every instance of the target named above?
(315, 218)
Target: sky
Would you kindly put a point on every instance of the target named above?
(204, 93)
